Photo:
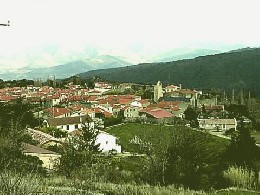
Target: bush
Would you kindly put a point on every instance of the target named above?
(240, 177)
(58, 133)
(230, 131)
(112, 121)
(19, 183)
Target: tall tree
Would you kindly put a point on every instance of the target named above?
(243, 150)
(194, 160)
(79, 152)
(191, 115)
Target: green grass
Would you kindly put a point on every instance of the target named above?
(127, 132)
(235, 191)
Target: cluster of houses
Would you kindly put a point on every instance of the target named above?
(75, 107)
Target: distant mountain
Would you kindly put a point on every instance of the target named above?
(66, 70)
(238, 70)
(183, 53)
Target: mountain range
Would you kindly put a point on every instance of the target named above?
(237, 69)
(66, 70)
(39, 62)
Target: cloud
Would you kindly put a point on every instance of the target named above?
(133, 29)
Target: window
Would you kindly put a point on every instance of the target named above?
(106, 142)
(68, 127)
(76, 126)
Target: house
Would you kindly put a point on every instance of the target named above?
(217, 124)
(171, 88)
(156, 113)
(43, 138)
(140, 103)
(56, 112)
(107, 142)
(131, 111)
(49, 158)
(7, 98)
(69, 123)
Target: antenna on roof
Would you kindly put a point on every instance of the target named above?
(8, 24)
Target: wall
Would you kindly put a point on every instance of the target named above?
(48, 160)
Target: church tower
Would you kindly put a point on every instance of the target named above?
(158, 91)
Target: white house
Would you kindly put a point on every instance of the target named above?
(69, 123)
(131, 111)
(140, 103)
(107, 142)
(217, 124)
(136, 104)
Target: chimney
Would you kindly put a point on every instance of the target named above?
(180, 86)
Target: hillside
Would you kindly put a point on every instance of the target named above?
(240, 69)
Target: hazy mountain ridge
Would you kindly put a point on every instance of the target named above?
(66, 70)
(239, 69)
(184, 53)
(78, 64)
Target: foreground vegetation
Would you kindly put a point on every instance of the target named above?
(164, 160)
(12, 183)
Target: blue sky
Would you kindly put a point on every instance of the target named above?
(47, 32)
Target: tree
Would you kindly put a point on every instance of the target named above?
(79, 152)
(154, 145)
(242, 150)
(194, 160)
(55, 132)
(90, 84)
(16, 116)
(88, 140)
(191, 115)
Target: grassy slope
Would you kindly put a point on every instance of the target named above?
(128, 131)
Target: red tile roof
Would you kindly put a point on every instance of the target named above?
(7, 98)
(175, 108)
(159, 113)
(57, 111)
(124, 101)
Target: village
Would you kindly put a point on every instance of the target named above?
(105, 105)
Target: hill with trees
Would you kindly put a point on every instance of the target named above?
(238, 69)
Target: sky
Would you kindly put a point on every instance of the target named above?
(49, 32)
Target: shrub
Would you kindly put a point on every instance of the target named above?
(240, 177)
(12, 182)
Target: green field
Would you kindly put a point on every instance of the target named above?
(127, 132)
